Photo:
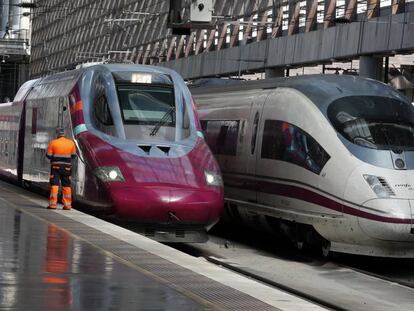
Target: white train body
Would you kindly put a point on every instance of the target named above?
(332, 152)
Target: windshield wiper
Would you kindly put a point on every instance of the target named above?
(163, 120)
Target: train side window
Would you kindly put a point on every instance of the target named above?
(221, 135)
(254, 133)
(34, 120)
(203, 124)
(222, 140)
(241, 134)
(286, 142)
(101, 111)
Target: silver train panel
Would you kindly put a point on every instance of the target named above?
(332, 195)
(9, 135)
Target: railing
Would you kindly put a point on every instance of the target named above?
(14, 47)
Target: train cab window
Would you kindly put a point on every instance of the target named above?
(286, 142)
(374, 122)
(147, 105)
(186, 118)
(221, 135)
(102, 112)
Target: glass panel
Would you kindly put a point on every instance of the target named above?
(286, 142)
(374, 122)
(144, 104)
(102, 113)
(221, 136)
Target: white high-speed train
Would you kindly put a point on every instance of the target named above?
(327, 159)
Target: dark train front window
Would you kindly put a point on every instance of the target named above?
(374, 122)
(144, 104)
(101, 111)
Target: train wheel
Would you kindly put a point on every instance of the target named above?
(300, 245)
(26, 184)
(300, 239)
(326, 249)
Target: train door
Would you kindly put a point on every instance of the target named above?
(253, 128)
(35, 141)
(290, 161)
(78, 169)
(20, 98)
(60, 112)
(63, 117)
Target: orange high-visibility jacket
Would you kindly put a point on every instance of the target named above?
(61, 150)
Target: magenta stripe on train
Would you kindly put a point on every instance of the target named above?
(307, 195)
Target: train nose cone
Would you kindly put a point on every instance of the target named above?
(167, 204)
(387, 219)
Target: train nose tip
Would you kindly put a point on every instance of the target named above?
(167, 205)
(388, 219)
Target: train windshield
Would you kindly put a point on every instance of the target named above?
(374, 122)
(147, 104)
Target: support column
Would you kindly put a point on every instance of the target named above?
(275, 72)
(370, 67)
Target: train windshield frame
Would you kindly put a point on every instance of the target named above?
(374, 122)
(147, 104)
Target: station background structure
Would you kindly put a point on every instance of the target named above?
(14, 47)
(247, 35)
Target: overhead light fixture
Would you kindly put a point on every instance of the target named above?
(3, 60)
(6, 33)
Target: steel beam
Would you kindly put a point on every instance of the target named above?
(311, 15)
(278, 20)
(398, 6)
(373, 7)
(350, 9)
(294, 10)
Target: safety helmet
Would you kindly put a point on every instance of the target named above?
(60, 131)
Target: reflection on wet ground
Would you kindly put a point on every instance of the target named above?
(44, 268)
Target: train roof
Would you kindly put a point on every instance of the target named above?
(75, 74)
(61, 84)
(321, 89)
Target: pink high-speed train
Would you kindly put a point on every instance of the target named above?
(141, 153)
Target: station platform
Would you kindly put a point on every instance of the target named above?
(68, 260)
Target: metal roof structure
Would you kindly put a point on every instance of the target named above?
(249, 35)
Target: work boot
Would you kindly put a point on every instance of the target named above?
(50, 207)
(66, 208)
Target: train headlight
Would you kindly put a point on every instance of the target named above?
(380, 186)
(109, 173)
(213, 178)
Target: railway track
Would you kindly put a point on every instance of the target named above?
(344, 283)
(288, 289)
(397, 271)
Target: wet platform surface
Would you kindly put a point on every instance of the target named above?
(43, 266)
(68, 260)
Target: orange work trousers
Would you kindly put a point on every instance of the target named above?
(60, 173)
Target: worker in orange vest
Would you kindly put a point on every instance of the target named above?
(60, 152)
